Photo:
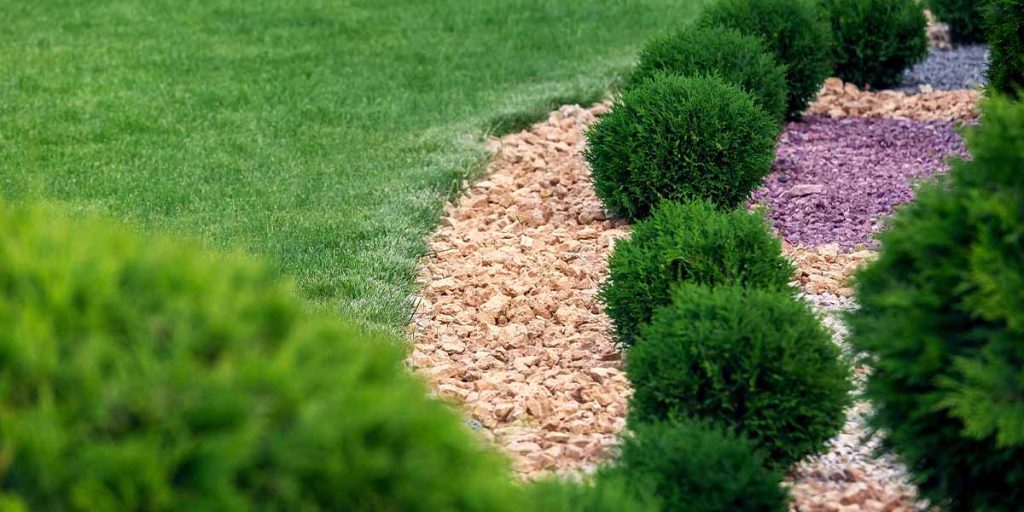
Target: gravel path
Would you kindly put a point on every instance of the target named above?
(962, 67)
(834, 179)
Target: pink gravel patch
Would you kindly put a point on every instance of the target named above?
(834, 180)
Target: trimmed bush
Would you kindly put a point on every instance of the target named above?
(795, 31)
(139, 374)
(942, 317)
(693, 467)
(964, 17)
(755, 361)
(737, 59)
(607, 495)
(1004, 24)
(876, 40)
(680, 138)
(690, 242)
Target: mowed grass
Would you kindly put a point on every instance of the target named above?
(324, 135)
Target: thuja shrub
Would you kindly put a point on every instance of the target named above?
(964, 17)
(680, 138)
(1004, 25)
(140, 374)
(612, 494)
(696, 467)
(736, 58)
(688, 242)
(876, 40)
(942, 318)
(795, 31)
(755, 361)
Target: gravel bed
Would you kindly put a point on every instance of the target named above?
(835, 179)
(961, 67)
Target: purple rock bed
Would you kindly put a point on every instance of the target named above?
(834, 180)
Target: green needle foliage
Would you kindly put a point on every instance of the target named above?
(605, 495)
(964, 17)
(1004, 24)
(795, 31)
(689, 242)
(942, 318)
(737, 59)
(680, 138)
(694, 467)
(142, 375)
(755, 361)
(876, 40)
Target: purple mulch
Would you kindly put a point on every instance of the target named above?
(835, 179)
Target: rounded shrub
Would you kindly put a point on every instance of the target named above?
(942, 318)
(755, 361)
(795, 31)
(688, 242)
(876, 40)
(611, 494)
(737, 59)
(139, 374)
(699, 468)
(964, 17)
(680, 138)
(1004, 25)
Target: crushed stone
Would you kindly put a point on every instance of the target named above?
(959, 67)
(838, 99)
(509, 325)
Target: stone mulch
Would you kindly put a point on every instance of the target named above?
(838, 99)
(510, 330)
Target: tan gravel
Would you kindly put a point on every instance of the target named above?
(509, 325)
(510, 330)
(837, 99)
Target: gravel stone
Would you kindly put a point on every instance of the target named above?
(835, 179)
(961, 67)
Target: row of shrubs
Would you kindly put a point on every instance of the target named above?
(735, 379)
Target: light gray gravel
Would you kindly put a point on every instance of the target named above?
(962, 67)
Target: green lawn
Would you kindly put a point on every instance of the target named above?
(322, 134)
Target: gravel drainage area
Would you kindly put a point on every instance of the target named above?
(509, 327)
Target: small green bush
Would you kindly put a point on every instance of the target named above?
(137, 374)
(1004, 24)
(606, 495)
(752, 360)
(795, 31)
(876, 40)
(942, 317)
(688, 242)
(966, 24)
(694, 467)
(737, 59)
(679, 138)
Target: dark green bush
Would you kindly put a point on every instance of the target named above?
(737, 59)
(689, 242)
(756, 361)
(876, 40)
(964, 17)
(679, 138)
(942, 318)
(694, 467)
(795, 31)
(1004, 24)
(137, 374)
(611, 494)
